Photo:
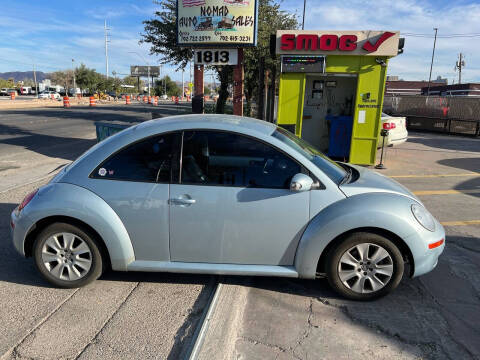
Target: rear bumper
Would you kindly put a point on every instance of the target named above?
(19, 226)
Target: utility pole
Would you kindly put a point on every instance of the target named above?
(35, 80)
(303, 19)
(431, 64)
(106, 47)
(183, 83)
(74, 84)
(459, 65)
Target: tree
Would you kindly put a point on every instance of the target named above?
(6, 83)
(63, 78)
(160, 33)
(270, 19)
(132, 81)
(172, 88)
(89, 79)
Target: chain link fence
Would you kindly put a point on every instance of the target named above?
(446, 114)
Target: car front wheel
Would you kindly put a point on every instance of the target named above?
(67, 256)
(364, 266)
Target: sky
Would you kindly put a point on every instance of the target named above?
(52, 33)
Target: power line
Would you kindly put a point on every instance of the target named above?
(446, 36)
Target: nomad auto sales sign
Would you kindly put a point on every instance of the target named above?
(217, 23)
(306, 42)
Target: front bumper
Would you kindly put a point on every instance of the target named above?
(424, 258)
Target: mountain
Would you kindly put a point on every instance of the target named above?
(21, 75)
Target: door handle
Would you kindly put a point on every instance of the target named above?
(182, 201)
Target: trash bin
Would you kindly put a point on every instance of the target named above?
(340, 135)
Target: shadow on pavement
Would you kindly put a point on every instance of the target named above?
(468, 164)
(448, 142)
(46, 144)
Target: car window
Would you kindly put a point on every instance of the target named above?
(148, 160)
(230, 159)
(329, 167)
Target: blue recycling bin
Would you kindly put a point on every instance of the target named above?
(340, 135)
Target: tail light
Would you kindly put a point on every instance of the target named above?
(389, 126)
(26, 200)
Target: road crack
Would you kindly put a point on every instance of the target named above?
(94, 340)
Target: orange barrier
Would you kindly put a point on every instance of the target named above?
(12, 96)
(149, 99)
(155, 101)
(123, 96)
(92, 101)
(66, 102)
(127, 100)
(145, 99)
(173, 98)
(138, 98)
(52, 96)
(176, 100)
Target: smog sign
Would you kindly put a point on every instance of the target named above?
(216, 57)
(217, 23)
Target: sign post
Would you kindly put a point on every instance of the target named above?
(238, 77)
(220, 29)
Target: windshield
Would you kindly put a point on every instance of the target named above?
(333, 170)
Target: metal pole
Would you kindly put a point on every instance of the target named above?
(35, 79)
(431, 64)
(74, 84)
(303, 19)
(148, 75)
(183, 83)
(106, 49)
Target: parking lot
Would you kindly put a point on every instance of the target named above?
(150, 315)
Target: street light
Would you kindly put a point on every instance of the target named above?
(148, 68)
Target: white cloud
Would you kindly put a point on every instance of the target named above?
(407, 16)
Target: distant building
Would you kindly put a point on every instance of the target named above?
(392, 78)
(440, 80)
(471, 89)
(401, 87)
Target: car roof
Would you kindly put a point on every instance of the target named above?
(228, 122)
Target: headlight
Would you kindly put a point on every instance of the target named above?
(423, 217)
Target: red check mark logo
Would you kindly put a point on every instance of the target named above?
(374, 47)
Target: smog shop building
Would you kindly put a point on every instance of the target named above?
(331, 88)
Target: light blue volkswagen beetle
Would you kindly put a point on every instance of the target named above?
(219, 194)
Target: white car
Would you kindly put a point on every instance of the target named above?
(397, 130)
(48, 95)
(164, 97)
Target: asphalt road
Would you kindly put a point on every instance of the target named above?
(148, 315)
(123, 315)
(435, 316)
(36, 142)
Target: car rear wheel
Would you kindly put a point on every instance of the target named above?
(364, 266)
(67, 256)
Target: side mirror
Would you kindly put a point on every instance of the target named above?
(301, 182)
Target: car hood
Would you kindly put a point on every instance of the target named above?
(371, 181)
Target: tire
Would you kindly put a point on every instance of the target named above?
(67, 256)
(359, 278)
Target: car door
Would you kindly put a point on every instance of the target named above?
(135, 183)
(233, 203)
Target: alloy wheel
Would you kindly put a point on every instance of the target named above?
(66, 256)
(365, 268)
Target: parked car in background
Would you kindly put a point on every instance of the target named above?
(397, 130)
(3, 92)
(220, 194)
(48, 95)
(164, 97)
